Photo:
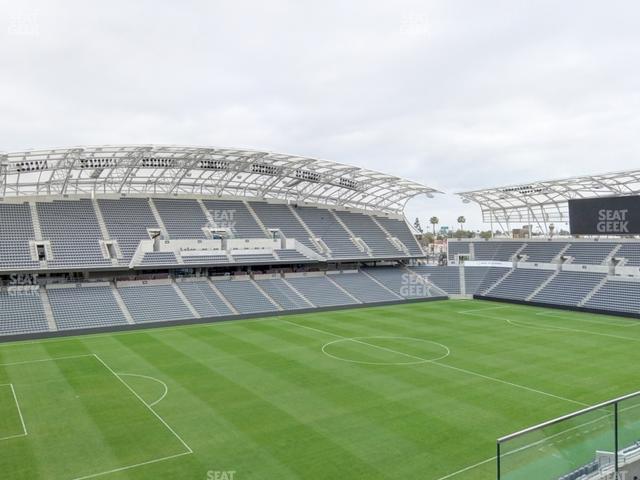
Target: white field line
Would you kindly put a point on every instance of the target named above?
(51, 359)
(189, 450)
(149, 462)
(166, 388)
(466, 469)
(519, 323)
(470, 467)
(133, 466)
(444, 365)
(629, 323)
(24, 427)
(483, 309)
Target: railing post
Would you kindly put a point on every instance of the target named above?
(615, 432)
(498, 459)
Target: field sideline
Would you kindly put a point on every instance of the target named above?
(408, 391)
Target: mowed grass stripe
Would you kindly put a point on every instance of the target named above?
(323, 399)
(259, 396)
(270, 427)
(403, 409)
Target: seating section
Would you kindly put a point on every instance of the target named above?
(542, 252)
(617, 295)
(568, 288)
(446, 278)
(205, 259)
(457, 248)
(520, 283)
(254, 258)
(401, 282)
(400, 230)
(495, 251)
(279, 216)
(320, 291)
(283, 294)
(85, 307)
(479, 279)
(182, 218)
(154, 303)
(16, 229)
(21, 312)
(589, 253)
(127, 220)
(324, 225)
(630, 251)
(202, 297)
(74, 232)
(244, 296)
(234, 215)
(364, 227)
(364, 288)
(159, 258)
(287, 254)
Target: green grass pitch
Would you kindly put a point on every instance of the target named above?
(408, 391)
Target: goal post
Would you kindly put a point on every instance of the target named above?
(596, 443)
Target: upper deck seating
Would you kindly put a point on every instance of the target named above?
(127, 221)
(589, 253)
(74, 232)
(182, 218)
(279, 216)
(542, 252)
(324, 225)
(496, 251)
(400, 230)
(234, 215)
(16, 229)
(363, 226)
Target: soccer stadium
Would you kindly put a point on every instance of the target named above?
(204, 312)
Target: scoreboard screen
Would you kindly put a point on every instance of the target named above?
(605, 216)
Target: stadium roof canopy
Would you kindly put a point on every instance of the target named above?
(179, 170)
(547, 201)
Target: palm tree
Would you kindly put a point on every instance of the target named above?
(417, 225)
(461, 221)
(434, 221)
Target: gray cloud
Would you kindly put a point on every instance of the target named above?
(456, 94)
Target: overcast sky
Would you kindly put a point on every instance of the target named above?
(455, 94)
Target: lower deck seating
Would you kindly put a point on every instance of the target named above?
(282, 293)
(402, 282)
(478, 279)
(202, 297)
(446, 278)
(364, 288)
(21, 312)
(154, 303)
(85, 307)
(617, 295)
(244, 296)
(568, 288)
(320, 291)
(520, 283)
